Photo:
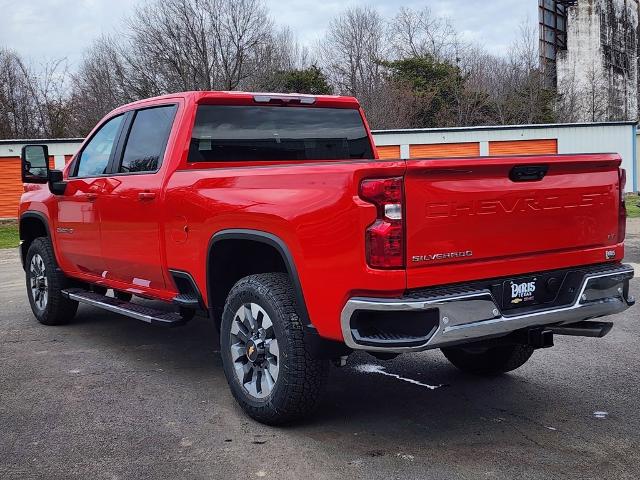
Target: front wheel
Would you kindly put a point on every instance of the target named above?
(45, 281)
(488, 360)
(268, 365)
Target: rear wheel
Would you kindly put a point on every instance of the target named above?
(45, 282)
(268, 365)
(488, 360)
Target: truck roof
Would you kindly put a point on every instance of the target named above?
(250, 98)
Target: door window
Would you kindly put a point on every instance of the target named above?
(94, 158)
(147, 139)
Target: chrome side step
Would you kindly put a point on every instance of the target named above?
(129, 309)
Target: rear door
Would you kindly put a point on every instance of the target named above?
(130, 211)
(465, 217)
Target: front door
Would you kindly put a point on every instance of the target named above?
(77, 228)
(131, 208)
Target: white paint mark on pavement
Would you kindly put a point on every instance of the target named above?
(74, 371)
(552, 428)
(600, 414)
(405, 456)
(369, 368)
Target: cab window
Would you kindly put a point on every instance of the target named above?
(147, 139)
(95, 156)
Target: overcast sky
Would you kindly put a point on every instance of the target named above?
(43, 29)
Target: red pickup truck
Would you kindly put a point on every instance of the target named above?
(274, 215)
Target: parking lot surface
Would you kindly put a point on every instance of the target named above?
(107, 397)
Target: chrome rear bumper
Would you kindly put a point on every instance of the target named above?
(474, 315)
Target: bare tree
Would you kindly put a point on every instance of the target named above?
(34, 101)
(281, 53)
(411, 70)
(49, 86)
(351, 54)
(181, 45)
(103, 82)
(17, 106)
(417, 33)
(394, 106)
(513, 84)
(241, 28)
(169, 46)
(595, 95)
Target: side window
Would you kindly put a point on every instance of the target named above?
(95, 155)
(147, 139)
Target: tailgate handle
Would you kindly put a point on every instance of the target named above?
(528, 173)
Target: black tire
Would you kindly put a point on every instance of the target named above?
(56, 309)
(488, 361)
(300, 376)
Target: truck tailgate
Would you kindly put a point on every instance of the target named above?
(473, 213)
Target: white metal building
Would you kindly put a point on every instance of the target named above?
(610, 137)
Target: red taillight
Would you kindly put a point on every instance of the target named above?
(622, 212)
(384, 239)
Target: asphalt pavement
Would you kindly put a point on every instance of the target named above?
(107, 397)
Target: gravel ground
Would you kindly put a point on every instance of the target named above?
(108, 397)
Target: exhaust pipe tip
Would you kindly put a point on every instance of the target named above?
(584, 329)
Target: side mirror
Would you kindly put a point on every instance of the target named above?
(35, 164)
(57, 185)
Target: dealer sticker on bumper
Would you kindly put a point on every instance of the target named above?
(520, 292)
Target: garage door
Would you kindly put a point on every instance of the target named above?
(11, 186)
(389, 151)
(524, 147)
(443, 150)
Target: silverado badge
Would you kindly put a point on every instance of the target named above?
(441, 256)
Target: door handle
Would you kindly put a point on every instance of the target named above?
(91, 196)
(528, 173)
(146, 196)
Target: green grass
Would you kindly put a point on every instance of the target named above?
(9, 237)
(632, 200)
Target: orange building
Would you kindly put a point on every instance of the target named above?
(60, 150)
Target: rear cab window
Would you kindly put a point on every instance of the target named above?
(147, 139)
(230, 133)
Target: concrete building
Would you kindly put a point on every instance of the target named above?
(589, 52)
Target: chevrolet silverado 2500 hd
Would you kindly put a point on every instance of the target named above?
(274, 215)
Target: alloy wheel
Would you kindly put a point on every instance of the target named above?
(254, 350)
(38, 282)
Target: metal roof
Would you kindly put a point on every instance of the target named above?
(40, 140)
(502, 127)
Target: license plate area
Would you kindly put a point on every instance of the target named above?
(529, 291)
